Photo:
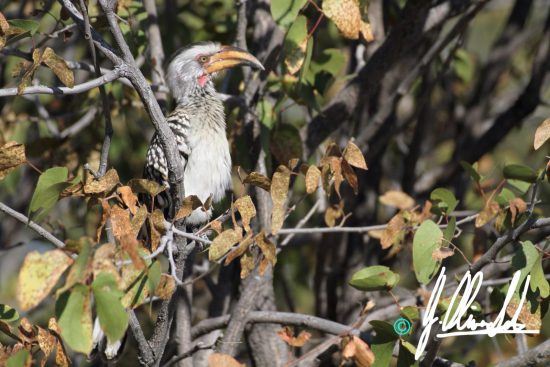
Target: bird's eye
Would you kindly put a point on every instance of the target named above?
(203, 59)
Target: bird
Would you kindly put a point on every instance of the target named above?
(198, 123)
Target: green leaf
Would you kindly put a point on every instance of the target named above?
(463, 65)
(538, 279)
(528, 260)
(406, 355)
(332, 61)
(520, 172)
(384, 330)
(8, 314)
(80, 269)
(504, 197)
(295, 45)
(427, 239)
(50, 184)
(19, 359)
(449, 231)
(153, 276)
(444, 200)
(472, 170)
(520, 186)
(266, 113)
(75, 318)
(284, 12)
(285, 143)
(374, 278)
(307, 60)
(410, 312)
(112, 316)
(26, 25)
(382, 353)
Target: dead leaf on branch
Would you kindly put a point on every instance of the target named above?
(166, 287)
(104, 185)
(189, 204)
(241, 249)
(257, 179)
(246, 208)
(517, 206)
(354, 156)
(350, 176)
(59, 67)
(490, 211)
(394, 232)
(247, 264)
(313, 175)
(346, 14)
(532, 321)
(287, 335)
(269, 250)
(356, 349)
(128, 198)
(279, 192)
(12, 155)
(333, 213)
(223, 243)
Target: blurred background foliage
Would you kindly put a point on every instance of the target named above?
(311, 272)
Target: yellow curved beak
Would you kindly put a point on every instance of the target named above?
(229, 57)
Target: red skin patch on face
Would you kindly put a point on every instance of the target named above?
(202, 80)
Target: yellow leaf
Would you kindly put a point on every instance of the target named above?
(490, 211)
(353, 155)
(397, 199)
(542, 134)
(313, 176)
(246, 208)
(346, 15)
(287, 335)
(279, 192)
(12, 155)
(223, 242)
(257, 179)
(25, 70)
(532, 321)
(128, 198)
(247, 264)
(332, 214)
(105, 184)
(4, 25)
(143, 186)
(223, 360)
(38, 275)
(59, 67)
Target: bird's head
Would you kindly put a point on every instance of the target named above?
(193, 67)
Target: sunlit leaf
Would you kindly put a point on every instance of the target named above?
(295, 45)
(374, 278)
(104, 185)
(279, 192)
(346, 14)
(246, 208)
(8, 314)
(50, 184)
(284, 12)
(223, 243)
(257, 179)
(542, 134)
(143, 186)
(188, 204)
(354, 156)
(223, 360)
(38, 275)
(444, 200)
(427, 239)
(59, 67)
(358, 351)
(287, 335)
(313, 176)
(397, 199)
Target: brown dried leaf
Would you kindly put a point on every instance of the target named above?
(216, 225)
(532, 321)
(350, 176)
(4, 25)
(239, 250)
(138, 219)
(246, 208)
(442, 253)
(38, 275)
(279, 192)
(490, 211)
(397, 199)
(257, 179)
(12, 155)
(105, 214)
(223, 360)
(353, 155)
(359, 351)
(143, 186)
(394, 232)
(223, 243)
(25, 70)
(332, 214)
(517, 206)
(287, 335)
(542, 134)
(247, 264)
(47, 342)
(336, 170)
(369, 306)
(269, 250)
(131, 246)
(120, 221)
(166, 287)
(128, 198)
(189, 204)
(104, 185)
(346, 14)
(313, 176)
(59, 67)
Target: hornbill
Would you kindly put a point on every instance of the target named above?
(198, 122)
